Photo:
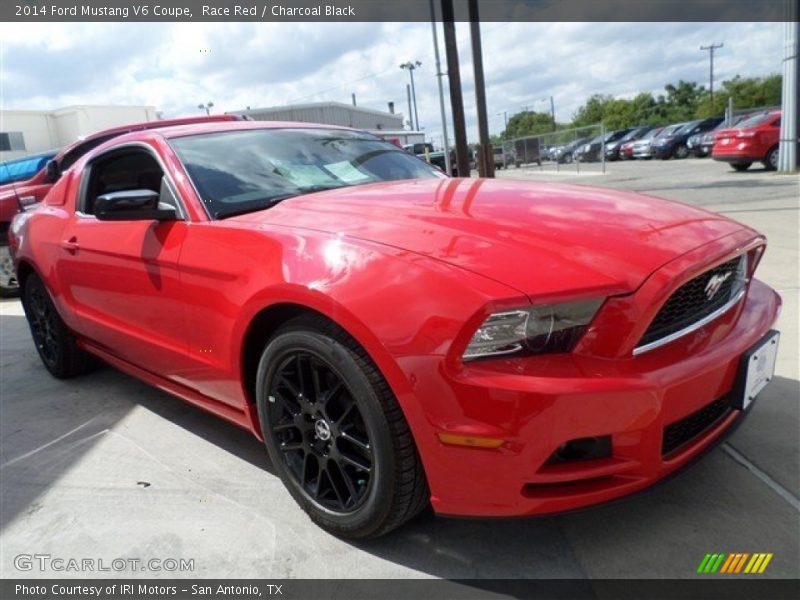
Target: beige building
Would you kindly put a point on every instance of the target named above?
(328, 113)
(25, 132)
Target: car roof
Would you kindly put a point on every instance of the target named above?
(146, 126)
(200, 128)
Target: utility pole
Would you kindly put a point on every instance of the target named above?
(711, 50)
(553, 112)
(354, 98)
(439, 75)
(410, 66)
(485, 152)
(456, 100)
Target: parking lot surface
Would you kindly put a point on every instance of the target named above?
(105, 467)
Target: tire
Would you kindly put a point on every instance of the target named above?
(567, 158)
(680, 151)
(357, 434)
(8, 279)
(771, 159)
(54, 342)
(741, 166)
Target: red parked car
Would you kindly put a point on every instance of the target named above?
(16, 195)
(753, 140)
(398, 338)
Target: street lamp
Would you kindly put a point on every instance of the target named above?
(505, 136)
(206, 107)
(411, 66)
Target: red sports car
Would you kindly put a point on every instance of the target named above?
(398, 338)
(15, 194)
(753, 140)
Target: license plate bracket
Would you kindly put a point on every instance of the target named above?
(756, 370)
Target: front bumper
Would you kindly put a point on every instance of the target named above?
(536, 405)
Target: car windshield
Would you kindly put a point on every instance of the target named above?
(756, 120)
(22, 169)
(236, 172)
(670, 130)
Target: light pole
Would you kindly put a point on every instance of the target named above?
(439, 75)
(505, 136)
(711, 50)
(206, 107)
(411, 66)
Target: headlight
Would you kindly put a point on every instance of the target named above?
(542, 329)
(610, 145)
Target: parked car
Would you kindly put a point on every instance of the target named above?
(706, 140)
(753, 140)
(643, 148)
(14, 196)
(566, 153)
(613, 149)
(419, 148)
(502, 158)
(13, 172)
(235, 266)
(675, 144)
(590, 152)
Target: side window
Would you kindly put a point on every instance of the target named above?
(119, 172)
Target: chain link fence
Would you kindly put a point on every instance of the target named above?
(575, 149)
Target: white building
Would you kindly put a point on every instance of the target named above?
(25, 132)
(328, 113)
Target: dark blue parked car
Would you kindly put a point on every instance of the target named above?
(675, 144)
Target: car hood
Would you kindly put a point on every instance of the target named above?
(539, 238)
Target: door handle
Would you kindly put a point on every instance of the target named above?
(71, 245)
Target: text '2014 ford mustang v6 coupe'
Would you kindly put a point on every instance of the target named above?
(398, 338)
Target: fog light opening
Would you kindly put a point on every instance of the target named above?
(590, 448)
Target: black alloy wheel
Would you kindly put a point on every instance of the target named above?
(681, 151)
(54, 342)
(335, 432)
(320, 432)
(43, 321)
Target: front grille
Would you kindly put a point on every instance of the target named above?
(688, 428)
(690, 303)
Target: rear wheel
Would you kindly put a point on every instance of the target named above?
(54, 342)
(771, 159)
(335, 433)
(8, 279)
(741, 166)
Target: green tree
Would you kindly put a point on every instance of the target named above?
(528, 123)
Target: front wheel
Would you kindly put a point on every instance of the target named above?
(335, 433)
(8, 279)
(54, 342)
(680, 151)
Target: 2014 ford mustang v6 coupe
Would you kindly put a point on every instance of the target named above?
(398, 338)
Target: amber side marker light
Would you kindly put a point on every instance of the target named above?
(453, 439)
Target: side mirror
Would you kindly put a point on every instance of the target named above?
(51, 171)
(133, 205)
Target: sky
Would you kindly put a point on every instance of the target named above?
(175, 67)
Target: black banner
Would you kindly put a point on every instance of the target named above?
(733, 588)
(392, 10)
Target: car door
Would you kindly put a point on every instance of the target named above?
(122, 276)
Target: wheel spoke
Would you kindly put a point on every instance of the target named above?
(356, 442)
(332, 480)
(361, 466)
